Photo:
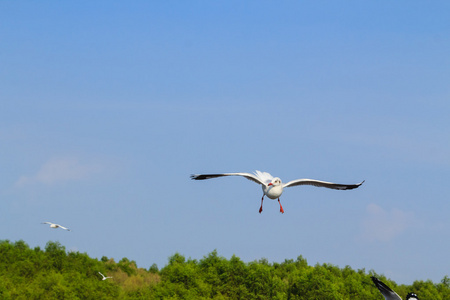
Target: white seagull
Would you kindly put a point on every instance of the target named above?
(273, 187)
(388, 293)
(54, 226)
(104, 277)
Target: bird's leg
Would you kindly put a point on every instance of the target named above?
(260, 209)
(281, 207)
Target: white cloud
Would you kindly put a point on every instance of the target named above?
(59, 170)
(382, 225)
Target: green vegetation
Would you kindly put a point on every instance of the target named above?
(53, 273)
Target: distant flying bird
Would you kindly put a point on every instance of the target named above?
(104, 277)
(273, 187)
(54, 226)
(388, 293)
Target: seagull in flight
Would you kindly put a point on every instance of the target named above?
(388, 293)
(54, 226)
(104, 277)
(273, 187)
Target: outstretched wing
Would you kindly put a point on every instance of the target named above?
(63, 227)
(246, 175)
(386, 291)
(47, 223)
(319, 183)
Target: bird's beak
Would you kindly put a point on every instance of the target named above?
(270, 184)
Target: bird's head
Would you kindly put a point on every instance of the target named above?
(412, 296)
(275, 182)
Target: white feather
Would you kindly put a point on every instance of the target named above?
(264, 176)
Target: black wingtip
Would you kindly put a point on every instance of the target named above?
(201, 176)
(355, 186)
(381, 285)
(377, 282)
(350, 186)
(204, 176)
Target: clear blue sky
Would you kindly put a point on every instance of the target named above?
(107, 107)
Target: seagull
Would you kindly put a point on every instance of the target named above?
(54, 226)
(389, 294)
(273, 187)
(104, 277)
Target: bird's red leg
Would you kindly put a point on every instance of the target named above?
(260, 209)
(281, 207)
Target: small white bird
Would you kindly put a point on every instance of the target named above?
(54, 226)
(388, 293)
(273, 187)
(104, 277)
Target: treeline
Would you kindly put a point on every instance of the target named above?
(53, 273)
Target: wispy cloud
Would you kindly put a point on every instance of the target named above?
(382, 225)
(59, 170)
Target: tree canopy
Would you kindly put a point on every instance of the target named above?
(54, 273)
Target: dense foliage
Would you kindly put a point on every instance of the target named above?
(53, 273)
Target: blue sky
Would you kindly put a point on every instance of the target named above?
(107, 107)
